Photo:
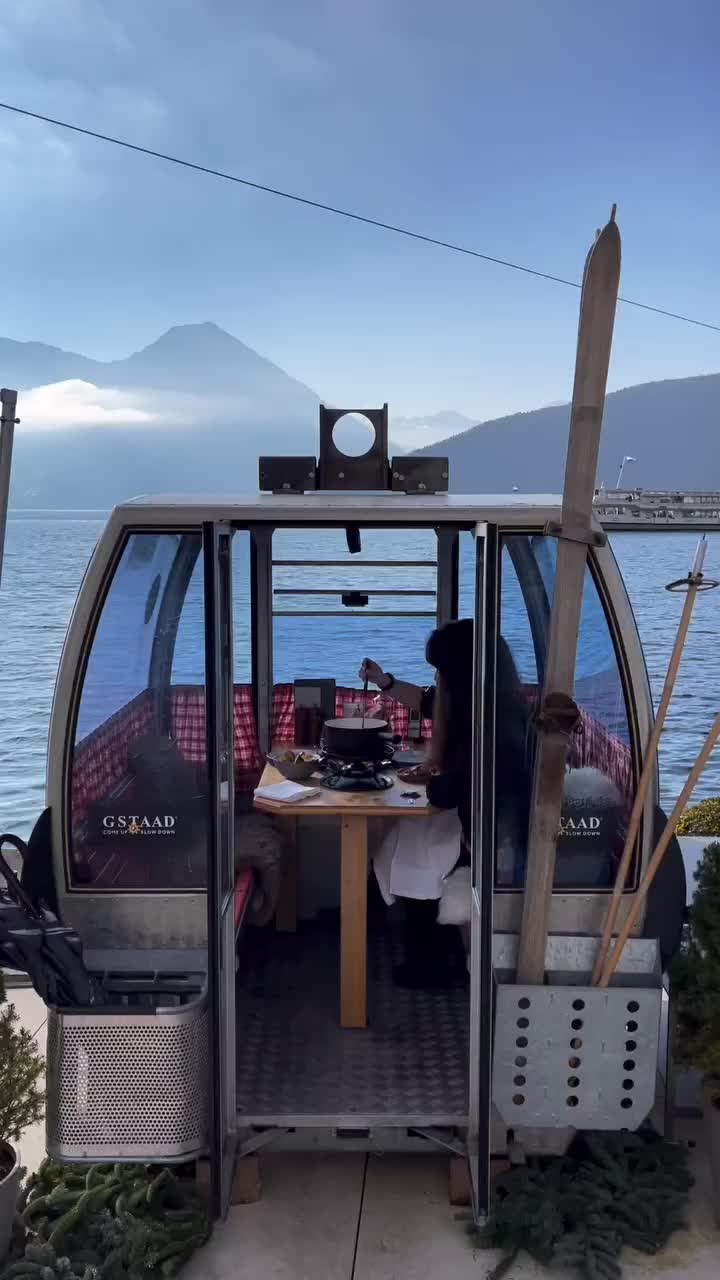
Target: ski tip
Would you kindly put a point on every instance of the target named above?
(610, 233)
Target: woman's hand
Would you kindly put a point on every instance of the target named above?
(372, 672)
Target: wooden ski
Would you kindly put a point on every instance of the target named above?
(558, 713)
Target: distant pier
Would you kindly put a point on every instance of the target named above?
(643, 509)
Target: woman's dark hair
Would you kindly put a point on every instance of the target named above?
(451, 647)
(450, 650)
(513, 753)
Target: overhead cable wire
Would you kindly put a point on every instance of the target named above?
(337, 211)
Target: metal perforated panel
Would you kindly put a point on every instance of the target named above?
(576, 1056)
(127, 1086)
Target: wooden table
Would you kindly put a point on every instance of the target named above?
(353, 808)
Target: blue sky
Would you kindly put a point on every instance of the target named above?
(510, 127)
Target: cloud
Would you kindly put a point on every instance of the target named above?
(81, 404)
(46, 163)
(77, 403)
(72, 61)
(287, 59)
(38, 162)
(86, 27)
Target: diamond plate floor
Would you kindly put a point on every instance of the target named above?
(294, 1060)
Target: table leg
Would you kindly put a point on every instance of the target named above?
(286, 914)
(353, 922)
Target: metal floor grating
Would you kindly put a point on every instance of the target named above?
(295, 1061)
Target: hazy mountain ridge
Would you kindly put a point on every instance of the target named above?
(34, 364)
(198, 358)
(213, 405)
(200, 406)
(672, 428)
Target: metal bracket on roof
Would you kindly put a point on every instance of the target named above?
(372, 472)
(288, 475)
(591, 537)
(338, 470)
(419, 475)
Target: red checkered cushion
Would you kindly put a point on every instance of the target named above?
(188, 729)
(592, 746)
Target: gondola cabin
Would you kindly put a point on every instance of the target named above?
(248, 954)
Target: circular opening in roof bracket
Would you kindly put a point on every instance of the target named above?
(353, 435)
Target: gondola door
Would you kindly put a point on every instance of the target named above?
(483, 865)
(217, 556)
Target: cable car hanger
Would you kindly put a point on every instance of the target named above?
(372, 472)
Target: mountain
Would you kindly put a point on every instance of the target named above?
(205, 358)
(672, 428)
(191, 411)
(32, 364)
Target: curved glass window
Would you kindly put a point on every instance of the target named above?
(137, 788)
(599, 783)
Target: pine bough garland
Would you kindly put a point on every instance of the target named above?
(578, 1211)
(106, 1222)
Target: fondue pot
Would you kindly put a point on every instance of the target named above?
(355, 737)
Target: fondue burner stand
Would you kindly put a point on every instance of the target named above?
(347, 773)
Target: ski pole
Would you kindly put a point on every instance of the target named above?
(694, 583)
(660, 849)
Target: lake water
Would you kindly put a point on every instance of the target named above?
(46, 554)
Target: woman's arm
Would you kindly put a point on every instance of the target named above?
(410, 695)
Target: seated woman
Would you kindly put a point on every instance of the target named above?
(452, 646)
(434, 956)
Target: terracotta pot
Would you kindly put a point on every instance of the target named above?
(9, 1187)
(712, 1123)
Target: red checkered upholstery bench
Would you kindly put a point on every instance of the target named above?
(101, 760)
(592, 746)
(100, 763)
